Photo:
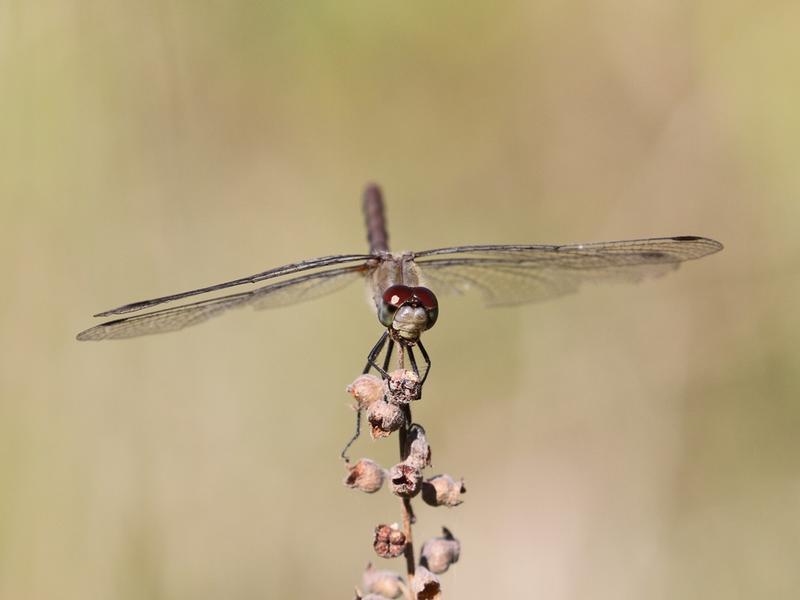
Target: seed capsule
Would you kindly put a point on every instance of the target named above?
(426, 585)
(384, 418)
(366, 389)
(417, 449)
(366, 475)
(386, 584)
(389, 541)
(402, 387)
(443, 490)
(359, 596)
(439, 553)
(405, 479)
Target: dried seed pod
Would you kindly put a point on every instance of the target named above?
(397, 537)
(387, 584)
(443, 490)
(426, 585)
(405, 479)
(360, 596)
(366, 475)
(418, 451)
(389, 541)
(402, 387)
(366, 389)
(439, 553)
(384, 418)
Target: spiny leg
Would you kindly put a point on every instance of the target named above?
(427, 361)
(354, 438)
(413, 361)
(415, 368)
(388, 356)
(373, 354)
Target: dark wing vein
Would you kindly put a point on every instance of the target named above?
(304, 265)
(298, 289)
(525, 273)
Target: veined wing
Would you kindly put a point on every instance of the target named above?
(517, 274)
(297, 289)
(304, 265)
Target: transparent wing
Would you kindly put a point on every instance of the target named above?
(507, 275)
(297, 289)
(304, 265)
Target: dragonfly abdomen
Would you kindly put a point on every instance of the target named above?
(375, 217)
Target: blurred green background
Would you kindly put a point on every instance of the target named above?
(625, 442)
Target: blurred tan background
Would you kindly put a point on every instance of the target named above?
(626, 442)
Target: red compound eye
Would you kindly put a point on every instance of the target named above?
(397, 295)
(426, 297)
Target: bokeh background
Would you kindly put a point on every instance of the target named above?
(624, 442)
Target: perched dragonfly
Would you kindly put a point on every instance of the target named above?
(401, 284)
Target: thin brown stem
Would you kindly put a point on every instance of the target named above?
(409, 551)
(408, 512)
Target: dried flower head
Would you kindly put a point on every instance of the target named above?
(389, 541)
(439, 553)
(426, 585)
(384, 418)
(360, 596)
(387, 584)
(443, 490)
(405, 479)
(418, 451)
(402, 387)
(366, 475)
(366, 389)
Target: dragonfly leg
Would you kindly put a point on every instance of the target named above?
(388, 356)
(373, 354)
(413, 361)
(415, 368)
(427, 361)
(354, 438)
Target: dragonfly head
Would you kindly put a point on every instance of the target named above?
(408, 311)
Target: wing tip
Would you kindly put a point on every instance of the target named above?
(126, 308)
(96, 333)
(88, 335)
(711, 245)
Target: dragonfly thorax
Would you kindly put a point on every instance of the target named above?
(408, 311)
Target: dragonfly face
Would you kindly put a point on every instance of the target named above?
(408, 311)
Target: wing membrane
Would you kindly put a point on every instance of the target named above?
(298, 289)
(304, 265)
(507, 275)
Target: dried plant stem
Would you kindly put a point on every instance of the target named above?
(409, 550)
(408, 512)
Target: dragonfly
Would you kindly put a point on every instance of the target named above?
(402, 285)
